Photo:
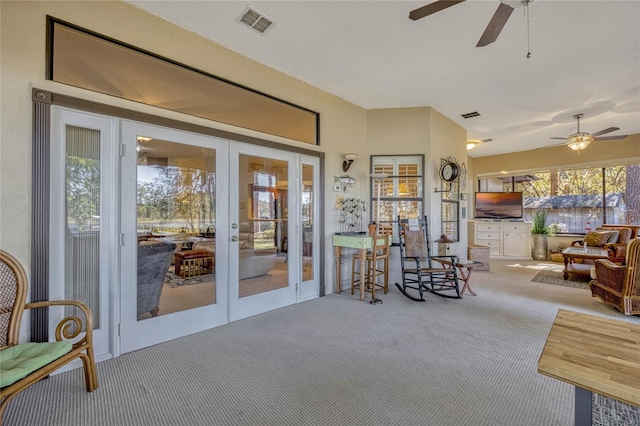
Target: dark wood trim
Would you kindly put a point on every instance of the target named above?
(40, 212)
(128, 114)
(51, 21)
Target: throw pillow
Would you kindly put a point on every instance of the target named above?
(597, 238)
(613, 238)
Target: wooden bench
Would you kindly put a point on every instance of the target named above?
(191, 263)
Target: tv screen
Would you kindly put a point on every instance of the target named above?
(498, 205)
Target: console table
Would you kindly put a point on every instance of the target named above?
(594, 354)
(356, 240)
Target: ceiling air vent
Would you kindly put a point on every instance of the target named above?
(487, 140)
(471, 114)
(255, 20)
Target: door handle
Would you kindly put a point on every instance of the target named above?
(234, 238)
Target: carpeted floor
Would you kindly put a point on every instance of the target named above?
(338, 361)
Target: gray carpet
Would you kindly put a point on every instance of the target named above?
(338, 361)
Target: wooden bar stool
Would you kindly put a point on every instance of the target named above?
(377, 266)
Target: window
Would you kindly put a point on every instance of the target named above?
(580, 199)
(401, 193)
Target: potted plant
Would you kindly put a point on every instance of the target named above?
(539, 232)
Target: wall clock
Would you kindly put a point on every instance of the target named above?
(449, 171)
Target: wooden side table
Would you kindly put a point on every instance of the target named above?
(465, 268)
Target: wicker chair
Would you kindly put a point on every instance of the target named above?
(619, 286)
(25, 364)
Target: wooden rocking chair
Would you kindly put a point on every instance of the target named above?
(418, 271)
(25, 364)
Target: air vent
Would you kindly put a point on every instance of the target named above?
(487, 140)
(471, 114)
(255, 20)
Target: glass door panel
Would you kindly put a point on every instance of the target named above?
(309, 252)
(260, 205)
(176, 204)
(263, 241)
(172, 281)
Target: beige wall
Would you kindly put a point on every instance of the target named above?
(421, 131)
(344, 127)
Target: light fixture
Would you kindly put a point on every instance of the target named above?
(579, 140)
(348, 159)
(471, 145)
(143, 139)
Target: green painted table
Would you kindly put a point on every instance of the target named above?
(355, 240)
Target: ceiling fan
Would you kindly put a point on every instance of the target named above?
(580, 140)
(492, 31)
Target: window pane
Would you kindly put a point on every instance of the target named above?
(307, 223)
(262, 232)
(176, 204)
(82, 246)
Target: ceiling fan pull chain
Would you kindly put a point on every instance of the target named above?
(526, 15)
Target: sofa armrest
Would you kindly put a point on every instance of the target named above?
(616, 250)
(610, 274)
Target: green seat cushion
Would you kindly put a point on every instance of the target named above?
(17, 362)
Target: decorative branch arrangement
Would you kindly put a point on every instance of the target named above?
(351, 214)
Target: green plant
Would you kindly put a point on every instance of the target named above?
(539, 218)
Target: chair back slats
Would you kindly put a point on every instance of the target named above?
(13, 292)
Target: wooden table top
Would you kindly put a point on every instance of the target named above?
(594, 353)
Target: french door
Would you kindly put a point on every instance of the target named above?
(174, 238)
(165, 233)
(262, 205)
(82, 244)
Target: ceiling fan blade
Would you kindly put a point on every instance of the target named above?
(431, 8)
(496, 24)
(610, 138)
(602, 132)
(562, 139)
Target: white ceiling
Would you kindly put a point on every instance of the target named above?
(585, 59)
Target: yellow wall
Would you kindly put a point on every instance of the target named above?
(421, 131)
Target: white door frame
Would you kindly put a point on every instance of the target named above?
(136, 334)
(104, 339)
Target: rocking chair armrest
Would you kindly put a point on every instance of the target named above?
(62, 329)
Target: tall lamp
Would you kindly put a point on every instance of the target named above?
(378, 177)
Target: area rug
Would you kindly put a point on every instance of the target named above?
(172, 280)
(550, 276)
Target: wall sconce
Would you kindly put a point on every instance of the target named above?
(348, 159)
(471, 145)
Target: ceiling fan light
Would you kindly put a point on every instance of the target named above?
(579, 141)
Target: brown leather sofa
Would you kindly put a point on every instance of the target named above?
(617, 249)
(619, 286)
